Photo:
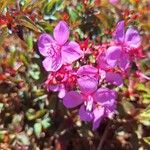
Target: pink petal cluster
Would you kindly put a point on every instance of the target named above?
(87, 87)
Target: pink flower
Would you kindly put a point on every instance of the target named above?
(61, 81)
(58, 50)
(95, 103)
(125, 42)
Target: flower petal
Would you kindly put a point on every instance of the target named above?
(112, 55)
(61, 33)
(87, 84)
(132, 38)
(54, 88)
(47, 63)
(114, 78)
(85, 115)
(124, 61)
(98, 116)
(53, 63)
(62, 91)
(87, 70)
(120, 32)
(101, 60)
(105, 97)
(72, 99)
(44, 44)
(71, 52)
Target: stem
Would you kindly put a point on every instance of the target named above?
(103, 137)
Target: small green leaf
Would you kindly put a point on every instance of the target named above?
(46, 123)
(73, 14)
(37, 129)
(128, 107)
(23, 138)
(144, 117)
(147, 140)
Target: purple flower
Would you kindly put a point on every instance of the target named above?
(118, 55)
(95, 103)
(58, 50)
(129, 39)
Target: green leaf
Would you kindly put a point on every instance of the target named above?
(32, 115)
(46, 123)
(37, 129)
(128, 107)
(34, 71)
(147, 140)
(73, 14)
(144, 117)
(30, 41)
(23, 138)
(28, 23)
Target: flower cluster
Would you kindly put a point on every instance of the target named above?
(88, 86)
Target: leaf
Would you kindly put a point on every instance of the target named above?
(30, 41)
(128, 107)
(37, 129)
(34, 71)
(147, 140)
(3, 34)
(46, 26)
(144, 117)
(23, 138)
(28, 23)
(73, 14)
(5, 3)
(32, 115)
(46, 123)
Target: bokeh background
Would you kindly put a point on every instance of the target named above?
(32, 118)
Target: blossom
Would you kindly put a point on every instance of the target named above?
(61, 81)
(106, 72)
(58, 51)
(125, 42)
(96, 103)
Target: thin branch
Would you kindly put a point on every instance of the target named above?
(103, 137)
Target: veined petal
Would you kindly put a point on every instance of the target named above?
(52, 63)
(105, 97)
(132, 38)
(101, 60)
(112, 55)
(87, 70)
(61, 33)
(120, 32)
(44, 44)
(71, 52)
(124, 61)
(114, 78)
(72, 99)
(98, 114)
(85, 115)
(87, 84)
